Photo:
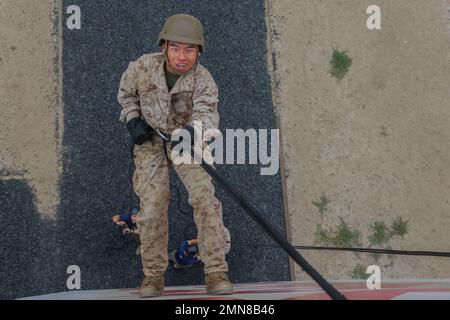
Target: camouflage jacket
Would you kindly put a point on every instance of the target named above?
(143, 92)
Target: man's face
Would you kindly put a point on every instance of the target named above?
(182, 56)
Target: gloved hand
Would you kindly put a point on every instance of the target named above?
(191, 132)
(139, 130)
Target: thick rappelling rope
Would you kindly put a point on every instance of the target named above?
(267, 227)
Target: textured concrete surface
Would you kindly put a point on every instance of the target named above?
(30, 123)
(376, 143)
(30, 144)
(95, 180)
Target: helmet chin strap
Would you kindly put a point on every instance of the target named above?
(172, 69)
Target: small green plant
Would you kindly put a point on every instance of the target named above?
(340, 64)
(359, 272)
(322, 204)
(399, 227)
(345, 236)
(341, 236)
(380, 233)
(321, 235)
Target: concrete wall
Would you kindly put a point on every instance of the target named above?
(31, 123)
(376, 143)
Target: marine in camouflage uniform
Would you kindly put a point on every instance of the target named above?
(145, 96)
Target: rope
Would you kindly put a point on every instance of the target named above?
(275, 235)
(384, 251)
(268, 228)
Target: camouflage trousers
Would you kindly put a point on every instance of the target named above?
(152, 185)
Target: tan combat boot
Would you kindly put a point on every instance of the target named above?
(218, 283)
(151, 287)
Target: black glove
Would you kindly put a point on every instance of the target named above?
(191, 131)
(139, 130)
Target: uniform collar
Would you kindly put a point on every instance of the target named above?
(186, 82)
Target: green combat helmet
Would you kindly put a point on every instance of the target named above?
(183, 28)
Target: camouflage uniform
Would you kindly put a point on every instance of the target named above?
(143, 92)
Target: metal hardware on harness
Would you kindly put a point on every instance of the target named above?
(164, 137)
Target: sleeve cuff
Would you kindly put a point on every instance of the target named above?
(131, 115)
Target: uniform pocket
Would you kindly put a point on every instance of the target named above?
(181, 109)
(151, 108)
(182, 102)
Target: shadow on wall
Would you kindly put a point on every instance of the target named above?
(21, 242)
